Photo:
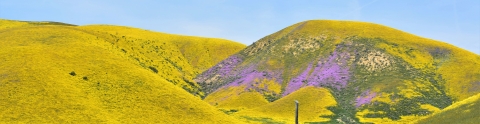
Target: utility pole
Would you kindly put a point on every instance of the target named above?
(296, 112)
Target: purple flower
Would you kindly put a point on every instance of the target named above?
(222, 69)
(331, 72)
(297, 82)
(247, 76)
(364, 98)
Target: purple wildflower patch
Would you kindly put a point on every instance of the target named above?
(297, 82)
(222, 69)
(333, 72)
(365, 98)
(248, 75)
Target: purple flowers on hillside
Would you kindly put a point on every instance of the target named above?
(230, 73)
(228, 65)
(298, 82)
(247, 76)
(331, 72)
(365, 98)
(222, 69)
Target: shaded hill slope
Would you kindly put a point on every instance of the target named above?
(67, 74)
(365, 66)
(463, 112)
(200, 53)
(174, 57)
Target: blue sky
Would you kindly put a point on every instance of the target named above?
(454, 21)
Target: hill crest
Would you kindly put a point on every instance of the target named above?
(72, 74)
(361, 63)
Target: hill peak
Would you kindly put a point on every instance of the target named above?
(360, 63)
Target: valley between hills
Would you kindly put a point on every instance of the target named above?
(339, 71)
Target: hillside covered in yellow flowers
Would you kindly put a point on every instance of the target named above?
(52, 72)
(339, 72)
(345, 71)
(463, 112)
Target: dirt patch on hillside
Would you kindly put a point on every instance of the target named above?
(375, 60)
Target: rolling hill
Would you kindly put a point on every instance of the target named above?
(179, 58)
(463, 112)
(313, 102)
(55, 72)
(374, 73)
(340, 71)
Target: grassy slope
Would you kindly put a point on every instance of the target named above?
(414, 60)
(312, 104)
(245, 100)
(459, 59)
(5, 24)
(463, 112)
(178, 58)
(60, 74)
(201, 53)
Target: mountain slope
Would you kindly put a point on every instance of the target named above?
(365, 66)
(201, 53)
(66, 74)
(176, 58)
(463, 112)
